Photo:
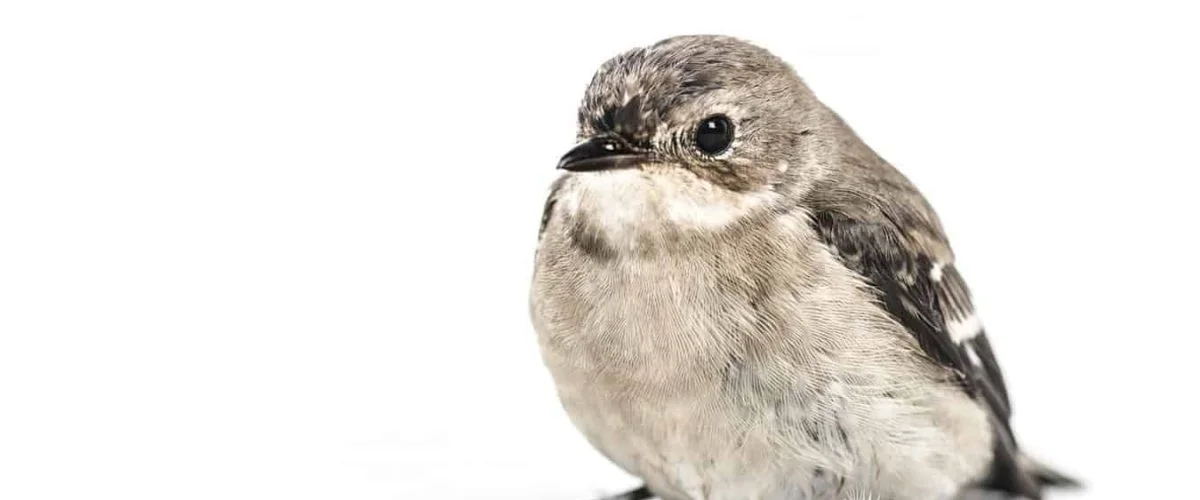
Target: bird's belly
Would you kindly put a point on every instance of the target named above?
(655, 396)
(708, 387)
(697, 427)
(698, 448)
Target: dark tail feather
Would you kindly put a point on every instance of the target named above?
(1049, 477)
(639, 493)
(1019, 475)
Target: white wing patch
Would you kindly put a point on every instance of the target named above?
(973, 356)
(955, 304)
(965, 329)
(936, 272)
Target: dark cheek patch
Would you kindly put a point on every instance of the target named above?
(589, 241)
(547, 213)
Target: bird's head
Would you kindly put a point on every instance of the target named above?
(687, 136)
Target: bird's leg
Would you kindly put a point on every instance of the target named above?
(639, 493)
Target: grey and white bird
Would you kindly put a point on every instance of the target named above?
(738, 299)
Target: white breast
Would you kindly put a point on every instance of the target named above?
(712, 376)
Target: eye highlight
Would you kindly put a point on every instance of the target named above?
(714, 135)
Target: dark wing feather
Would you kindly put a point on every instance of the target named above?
(874, 250)
(925, 302)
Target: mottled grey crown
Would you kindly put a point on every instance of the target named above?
(652, 98)
(629, 93)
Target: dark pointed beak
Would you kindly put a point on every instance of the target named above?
(600, 153)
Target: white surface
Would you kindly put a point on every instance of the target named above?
(280, 250)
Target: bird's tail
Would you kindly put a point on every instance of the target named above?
(1047, 476)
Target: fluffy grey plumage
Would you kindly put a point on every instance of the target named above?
(778, 318)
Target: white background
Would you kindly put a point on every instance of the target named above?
(281, 250)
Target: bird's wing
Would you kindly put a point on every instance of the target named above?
(927, 296)
(930, 299)
(893, 239)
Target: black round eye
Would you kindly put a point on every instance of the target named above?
(714, 135)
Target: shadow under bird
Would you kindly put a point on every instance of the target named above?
(737, 298)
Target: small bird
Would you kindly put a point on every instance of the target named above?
(738, 299)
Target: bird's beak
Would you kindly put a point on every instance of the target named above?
(600, 153)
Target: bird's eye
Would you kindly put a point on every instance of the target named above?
(714, 135)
